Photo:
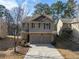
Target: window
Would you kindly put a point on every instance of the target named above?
(23, 24)
(47, 25)
(33, 25)
(27, 25)
(39, 25)
(44, 26)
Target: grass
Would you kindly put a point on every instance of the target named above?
(68, 54)
(7, 45)
(13, 56)
(67, 51)
(10, 54)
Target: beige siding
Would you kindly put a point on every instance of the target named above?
(59, 26)
(62, 25)
(75, 28)
(40, 34)
(41, 29)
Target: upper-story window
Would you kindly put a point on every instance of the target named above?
(39, 25)
(44, 26)
(47, 25)
(23, 24)
(33, 25)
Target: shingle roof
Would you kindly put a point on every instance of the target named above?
(43, 16)
(27, 19)
(66, 20)
(73, 20)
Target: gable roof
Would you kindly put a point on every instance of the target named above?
(36, 18)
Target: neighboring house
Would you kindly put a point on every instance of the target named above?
(39, 29)
(69, 23)
(63, 23)
(3, 28)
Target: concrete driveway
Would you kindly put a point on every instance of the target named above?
(43, 51)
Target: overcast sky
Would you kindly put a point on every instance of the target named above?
(9, 4)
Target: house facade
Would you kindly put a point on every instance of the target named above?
(39, 29)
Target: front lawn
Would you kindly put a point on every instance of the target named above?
(7, 49)
(67, 49)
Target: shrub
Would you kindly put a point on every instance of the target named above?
(56, 37)
(65, 33)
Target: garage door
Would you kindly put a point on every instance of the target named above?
(40, 39)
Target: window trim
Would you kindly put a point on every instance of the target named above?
(23, 24)
(39, 25)
(47, 25)
(44, 26)
(33, 25)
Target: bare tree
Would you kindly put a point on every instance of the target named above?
(18, 17)
(20, 13)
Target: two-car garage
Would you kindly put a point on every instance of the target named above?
(40, 38)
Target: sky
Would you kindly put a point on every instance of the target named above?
(9, 4)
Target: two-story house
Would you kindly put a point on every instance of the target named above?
(39, 29)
